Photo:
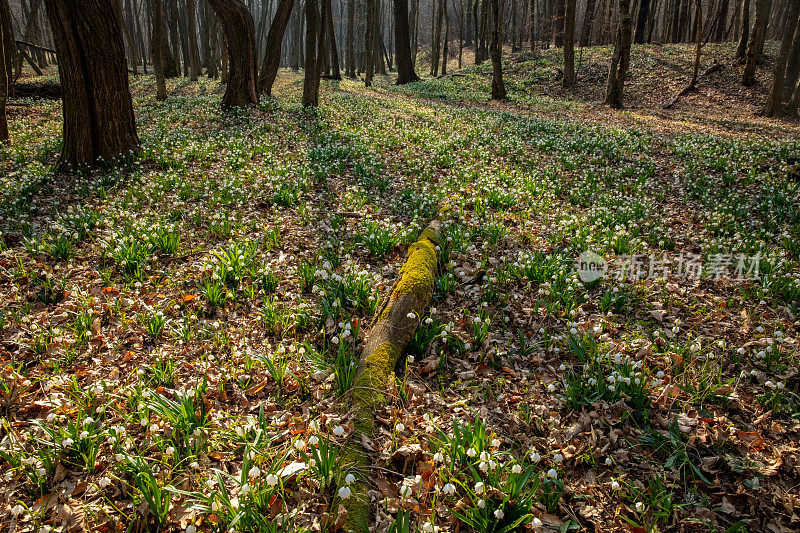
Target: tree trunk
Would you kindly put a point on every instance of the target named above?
(722, 20)
(558, 23)
(569, 43)
(334, 50)
(699, 46)
(240, 39)
(31, 29)
(402, 43)
(756, 43)
(641, 21)
(10, 49)
(194, 53)
(793, 66)
(446, 42)
(622, 56)
(437, 39)
(272, 56)
(350, 46)
(498, 87)
(369, 43)
(311, 78)
(774, 105)
(4, 83)
(742, 48)
(588, 23)
(157, 10)
(98, 109)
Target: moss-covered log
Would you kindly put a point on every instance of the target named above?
(384, 343)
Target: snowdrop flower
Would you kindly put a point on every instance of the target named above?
(438, 457)
(479, 487)
(84, 435)
(66, 443)
(349, 479)
(495, 443)
(254, 472)
(516, 469)
(608, 461)
(313, 440)
(17, 510)
(615, 485)
(88, 420)
(536, 522)
(245, 489)
(472, 452)
(405, 491)
(552, 474)
(535, 457)
(345, 492)
(104, 482)
(338, 431)
(449, 488)
(640, 506)
(558, 458)
(481, 503)
(191, 529)
(194, 464)
(272, 480)
(399, 427)
(551, 387)
(499, 514)
(42, 472)
(483, 466)
(300, 444)
(153, 428)
(170, 450)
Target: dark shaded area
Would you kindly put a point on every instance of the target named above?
(46, 90)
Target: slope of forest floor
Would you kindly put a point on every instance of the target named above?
(179, 333)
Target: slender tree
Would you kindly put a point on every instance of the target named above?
(745, 32)
(4, 82)
(622, 56)
(402, 43)
(569, 43)
(98, 109)
(334, 50)
(194, 52)
(272, 57)
(498, 87)
(350, 50)
(558, 22)
(756, 43)
(240, 38)
(157, 10)
(312, 70)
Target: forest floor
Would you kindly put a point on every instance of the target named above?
(179, 333)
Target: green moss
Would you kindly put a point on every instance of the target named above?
(416, 276)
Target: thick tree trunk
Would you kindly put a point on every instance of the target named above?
(498, 87)
(240, 38)
(350, 46)
(4, 83)
(745, 23)
(194, 52)
(10, 50)
(157, 9)
(793, 66)
(402, 43)
(334, 50)
(641, 21)
(98, 109)
(721, 21)
(272, 57)
(311, 79)
(622, 56)
(774, 105)
(756, 43)
(569, 43)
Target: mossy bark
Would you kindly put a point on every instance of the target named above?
(385, 342)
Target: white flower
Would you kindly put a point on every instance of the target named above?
(535, 457)
(552, 474)
(615, 485)
(472, 452)
(449, 488)
(338, 431)
(313, 440)
(104, 482)
(170, 450)
(481, 503)
(66, 443)
(84, 434)
(17, 510)
(194, 464)
(254, 472)
(551, 387)
(536, 522)
(495, 443)
(516, 469)
(272, 480)
(438, 457)
(405, 491)
(191, 529)
(300, 444)
(399, 427)
(640, 506)
(345, 492)
(349, 478)
(558, 458)
(483, 466)
(499, 514)
(479, 488)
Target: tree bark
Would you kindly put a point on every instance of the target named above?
(774, 105)
(622, 56)
(194, 52)
(745, 23)
(98, 109)
(240, 38)
(402, 43)
(756, 43)
(272, 57)
(10, 49)
(641, 21)
(333, 50)
(157, 10)
(699, 46)
(4, 83)
(311, 78)
(558, 23)
(569, 43)
(350, 46)
(369, 43)
(498, 87)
